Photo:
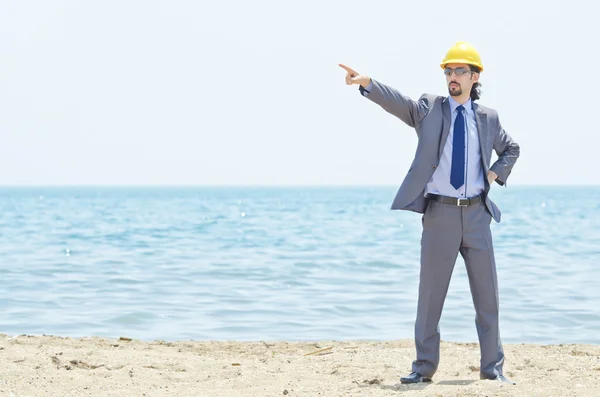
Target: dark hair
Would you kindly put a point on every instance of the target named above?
(476, 89)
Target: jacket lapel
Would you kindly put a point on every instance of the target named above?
(447, 120)
(481, 119)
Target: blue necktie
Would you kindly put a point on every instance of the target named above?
(457, 173)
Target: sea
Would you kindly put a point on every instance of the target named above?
(282, 263)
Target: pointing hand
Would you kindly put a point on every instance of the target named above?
(353, 77)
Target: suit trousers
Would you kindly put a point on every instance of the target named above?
(448, 230)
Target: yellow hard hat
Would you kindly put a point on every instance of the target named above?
(463, 52)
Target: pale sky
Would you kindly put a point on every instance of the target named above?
(176, 92)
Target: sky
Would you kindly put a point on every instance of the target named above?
(239, 92)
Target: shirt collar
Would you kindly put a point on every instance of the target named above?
(467, 105)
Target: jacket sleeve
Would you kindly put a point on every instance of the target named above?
(396, 103)
(508, 152)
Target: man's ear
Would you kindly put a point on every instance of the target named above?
(475, 77)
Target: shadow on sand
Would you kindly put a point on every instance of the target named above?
(399, 387)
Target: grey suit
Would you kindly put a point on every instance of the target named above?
(449, 230)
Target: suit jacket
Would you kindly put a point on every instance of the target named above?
(431, 119)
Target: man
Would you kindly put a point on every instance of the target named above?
(446, 184)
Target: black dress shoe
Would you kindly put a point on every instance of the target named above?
(500, 378)
(414, 377)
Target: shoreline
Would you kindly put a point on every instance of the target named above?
(94, 366)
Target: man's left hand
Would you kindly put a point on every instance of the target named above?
(492, 177)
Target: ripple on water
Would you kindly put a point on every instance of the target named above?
(302, 263)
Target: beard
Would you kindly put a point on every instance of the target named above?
(455, 91)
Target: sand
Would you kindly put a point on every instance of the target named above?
(57, 366)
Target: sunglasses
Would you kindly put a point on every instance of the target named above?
(458, 71)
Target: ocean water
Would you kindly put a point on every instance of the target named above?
(292, 263)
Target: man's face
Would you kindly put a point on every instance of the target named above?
(459, 78)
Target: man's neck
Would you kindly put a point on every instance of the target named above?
(462, 99)
(454, 103)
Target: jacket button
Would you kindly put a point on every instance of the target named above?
(434, 166)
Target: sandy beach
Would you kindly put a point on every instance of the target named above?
(57, 366)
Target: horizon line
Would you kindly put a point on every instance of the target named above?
(316, 185)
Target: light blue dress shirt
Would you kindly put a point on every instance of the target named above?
(440, 180)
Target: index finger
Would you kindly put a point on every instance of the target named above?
(347, 69)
